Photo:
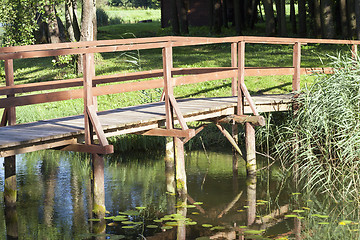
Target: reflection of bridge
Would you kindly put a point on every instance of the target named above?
(88, 133)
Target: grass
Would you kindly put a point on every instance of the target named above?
(132, 15)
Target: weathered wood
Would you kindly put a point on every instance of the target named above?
(234, 65)
(230, 205)
(230, 139)
(250, 149)
(9, 78)
(98, 186)
(10, 191)
(241, 77)
(4, 118)
(296, 65)
(354, 52)
(97, 125)
(189, 133)
(197, 130)
(86, 148)
(168, 85)
(249, 99)
(178, 113)
(88, 96)
(254, 120)
(42, 146)
(181, 186)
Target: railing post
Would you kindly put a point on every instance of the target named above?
(9, 78)
(354, 52)
(88, 96)
(241, 77)
(234, 65)
(168, 85)
(296, 65)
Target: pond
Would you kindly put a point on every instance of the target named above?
(54, 201)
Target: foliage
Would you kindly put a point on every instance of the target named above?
(135, 3)
(102, 18)
(321, 142)
(19, 21)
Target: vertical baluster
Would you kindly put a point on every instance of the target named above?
(296, 65)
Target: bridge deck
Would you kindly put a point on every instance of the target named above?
(58, 132)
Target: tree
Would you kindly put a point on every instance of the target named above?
(269, 17)
(327, 19)
(302, 18)
(293, 16)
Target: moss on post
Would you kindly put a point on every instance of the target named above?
(98, 186)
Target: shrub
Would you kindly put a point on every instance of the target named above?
(101, 17)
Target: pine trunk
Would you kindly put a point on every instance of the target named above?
(357, 14)
(75, 20)
(184, 24)
(343, 18)
(69, 21)
(217, 16)
(351, 17)
(175, 18)
(54, 33)
(302, 18)
(328, 19)
(317, 18)
(293, 16)
(237, 17)
(269, 17)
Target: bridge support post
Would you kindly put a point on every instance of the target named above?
(170, 175)
(250, 149)
(180, 173)
(98, 186)
(251, 197)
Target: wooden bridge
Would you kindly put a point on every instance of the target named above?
(89, 132)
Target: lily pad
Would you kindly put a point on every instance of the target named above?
(195, 213)
(158, 220)
(198, 203)
(166, 227)
(140, 208)
(152, 226)
(127, 222)
(207, 225)
(253, 231)
(128, 227)
(217, 228)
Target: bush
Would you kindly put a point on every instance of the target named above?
(101, 17)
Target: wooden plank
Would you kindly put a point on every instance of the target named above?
(4, 118)
(229, 138)
(234, 63)
(170, 132)
(85, 148)
(9, 78)
(204, 77)
(255, 120)
(249, 99)
(12, 152)
(97, 125)
(178, 113)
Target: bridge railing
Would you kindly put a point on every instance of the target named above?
(166, 76)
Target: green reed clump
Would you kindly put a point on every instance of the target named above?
(321, 142)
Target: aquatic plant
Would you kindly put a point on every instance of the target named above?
(321, 141)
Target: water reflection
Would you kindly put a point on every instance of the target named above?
(55, 202)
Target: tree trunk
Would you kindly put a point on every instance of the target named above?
(224, 8)
(54, 33)
(343, 18)
(281, 16)
(237, 17)
(69, 21)
(217, 16)
(351, 17)
(184, 24)
(357, 14)
(302, 18)
(75, 21)
(174, 18)
(254, 16)
(269, 17)
(317, 18)
(328, 19)
(293, 16)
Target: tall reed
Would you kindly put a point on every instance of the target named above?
(321, 141)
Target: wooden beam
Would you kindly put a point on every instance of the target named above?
(197, 130)
(170, 132)
(4, 119)
(178, 113)
(296, 65)
(88, 96)
(249, 99)
(9, 78)
(168, 84)
(250, 149)
(241, 77)
(97, 125)
(33, 148)
(255, 120)
(230, 138)
(354, 52)
(234, 65)
(203, 77)
(85, 148)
